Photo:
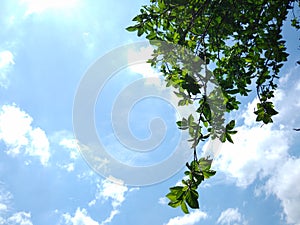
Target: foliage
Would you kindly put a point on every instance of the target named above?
(187, 193)
(241, 40)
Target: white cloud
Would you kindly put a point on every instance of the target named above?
(81, 217)
(87, 174)
(5, 196)
(20, 218)
(2, 220)
(284, 184)
(134, 189)
(188, 219)
(6, 214)
(68, 158)
(14, 126)
(6, 58)
(19, 136)
(70, 167)
(263, 152)
(257, 151)
(6, 62)
(39, 145)
(114, 192)
(111, 216)
(3, 207)
(140, 55)
(231, 216)
(91, 203)
(90, 41)
(37, 6)
(71, 144)
(5, 200)
(163, 201)
(149, 74)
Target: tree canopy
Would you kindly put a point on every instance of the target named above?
(242, 42)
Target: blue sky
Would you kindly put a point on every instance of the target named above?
(46, 48)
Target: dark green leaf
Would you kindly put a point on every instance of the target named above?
(230, 125)
(192, 199)
(228, 137)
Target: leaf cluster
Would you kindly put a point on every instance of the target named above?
(241, 40)
(186, 195)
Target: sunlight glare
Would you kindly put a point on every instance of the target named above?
(38, 6)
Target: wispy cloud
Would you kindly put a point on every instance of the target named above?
(110, 191)
(80, 217)
(163, 201)
(6, 63)
(5, 200)
(256, 153)
(20, 137)
(231, 216)
(111, 216)
(264, 152)
(6, 217)
(70, 144)
(284, 184)
(68, 156)
(20, 218)
(107, 190)
(189, 219)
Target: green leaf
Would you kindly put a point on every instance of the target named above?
(205, 164)
(175, 196)
(175, 190)
(186, 187)
(181, 102)
(232, 132)
(183, 125)
(192, 199)
(175, 204)
(207, 111)
(132, 28)
(187, 173)
(179, 123)
(230, 125)
(138, 18)
(151, 36)
(191, 131)
(228, 137)
(171, 196)
(208, 173)
(140, 32)
(184, 208)
(223, 138)
(190, 120)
